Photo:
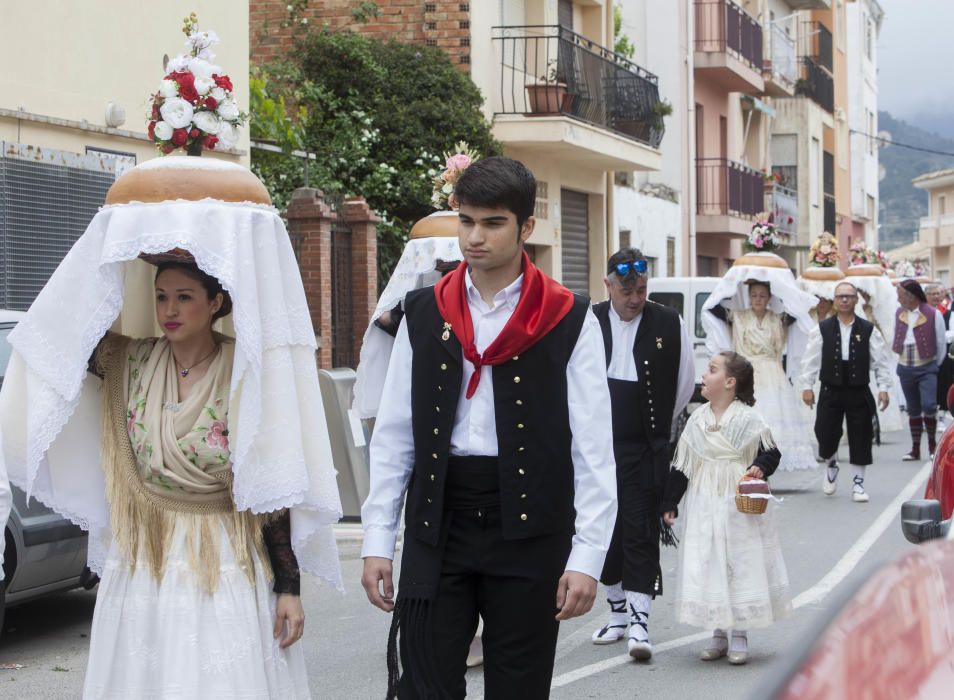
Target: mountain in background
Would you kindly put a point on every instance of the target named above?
(902, 204)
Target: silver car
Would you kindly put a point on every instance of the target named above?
(44, 553)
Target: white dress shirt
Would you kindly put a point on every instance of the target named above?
(623, 365)
(940, 333)
(392, 444)
(878, 350)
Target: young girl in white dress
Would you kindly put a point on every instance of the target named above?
(732, 575)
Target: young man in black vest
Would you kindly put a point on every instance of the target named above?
(842, 351)
(651, 375)
(495, 418)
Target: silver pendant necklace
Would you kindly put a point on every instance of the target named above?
(184, 372)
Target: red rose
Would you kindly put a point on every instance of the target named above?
(194, 133)
(168, 148)
(210, 141)
(152, 129)
(179, 137)
(211, 102)
(186, 83)
(155, 111)
(223, 81)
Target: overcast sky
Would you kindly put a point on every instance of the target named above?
(916, 57)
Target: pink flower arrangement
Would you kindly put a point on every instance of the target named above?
(454, 166)
(763, 238)
(860, 254)
(824, 251)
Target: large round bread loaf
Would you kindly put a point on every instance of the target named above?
(761, 260)
(190, 178)
(440, 224)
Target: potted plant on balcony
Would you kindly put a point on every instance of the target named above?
(548, 95)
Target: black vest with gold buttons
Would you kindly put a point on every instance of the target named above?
(531, 416)
(657, 353)
(856, 370)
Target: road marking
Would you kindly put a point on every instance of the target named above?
(811, 596)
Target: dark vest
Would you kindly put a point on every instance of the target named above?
(657, 352)
(531, 415)
(856, 371)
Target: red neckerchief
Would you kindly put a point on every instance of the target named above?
(543, 304)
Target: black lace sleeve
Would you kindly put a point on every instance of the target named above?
(676, 486)
(93, 366)
(767, 460)
(390, 321)
(277, 535)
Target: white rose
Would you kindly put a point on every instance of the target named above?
(203, 85)
(178, 64)
(203, 69)
(228, 135)
(169, 88)
(207, 121)
(228, 110)
(177, 112)
(219, 95)
(162, 131)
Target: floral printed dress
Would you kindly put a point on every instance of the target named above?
(196, 621)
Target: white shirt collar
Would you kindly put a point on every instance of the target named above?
(509, 295)
(616, 317)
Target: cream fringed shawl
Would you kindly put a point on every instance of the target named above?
(736, 443)
(166, 463)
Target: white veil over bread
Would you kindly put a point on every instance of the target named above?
(50, 407)
(731, 293)
(414, 270)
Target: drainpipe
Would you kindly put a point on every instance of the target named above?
(690, 200)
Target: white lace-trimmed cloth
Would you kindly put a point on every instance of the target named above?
(50, 407)
(414, 270)
(732, 293)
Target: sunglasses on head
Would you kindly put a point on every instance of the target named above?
(638, 267)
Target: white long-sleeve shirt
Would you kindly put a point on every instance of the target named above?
(812, 360)
(940, 333)
(474, 433)
(623, 364)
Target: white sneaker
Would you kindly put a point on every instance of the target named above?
(858, 493)
(829, 485)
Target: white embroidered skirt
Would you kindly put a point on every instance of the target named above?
(172, 639)
(731, 572)
(783, 411)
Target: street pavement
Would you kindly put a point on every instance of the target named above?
(829, 543)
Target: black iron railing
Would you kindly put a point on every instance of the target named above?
(546, 70)
(723, 26)
(817, 45)
(724, 187)
(816, 84)
(830, 213)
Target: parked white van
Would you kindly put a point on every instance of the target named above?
(687, 295)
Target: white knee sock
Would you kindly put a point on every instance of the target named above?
(858, 478)
(616, 597)
(639, 605)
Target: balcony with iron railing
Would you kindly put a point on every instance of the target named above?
(729, 46)
(550, 78)
(728, 196)
(817, 44)
(780, 68)
(817, 84)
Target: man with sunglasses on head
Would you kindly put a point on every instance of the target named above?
(842, 350)
(651, 375)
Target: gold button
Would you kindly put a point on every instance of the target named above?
(521, 471)
(523, 495)
(434, 455)
(436, 431)
(645, 362)
(516, 357)
(426, 524)
(521, 449)
(443, 365)
(520, 426)
(437, 408)
(516, 380)
(519, 402)
(433, 477)
(650, 401)
(440, 388)
(523, 516)
(429, 500)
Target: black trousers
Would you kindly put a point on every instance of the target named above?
(512, 585)
(633, 555)
(854, 406)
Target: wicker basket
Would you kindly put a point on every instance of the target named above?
(746, 504)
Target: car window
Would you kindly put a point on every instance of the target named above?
(701, 299)
(674, 300)
(5, 348)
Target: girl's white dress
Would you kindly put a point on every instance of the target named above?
(731, 572)
(763, 344)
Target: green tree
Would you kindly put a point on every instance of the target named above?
(621, 43)
(379, 115)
